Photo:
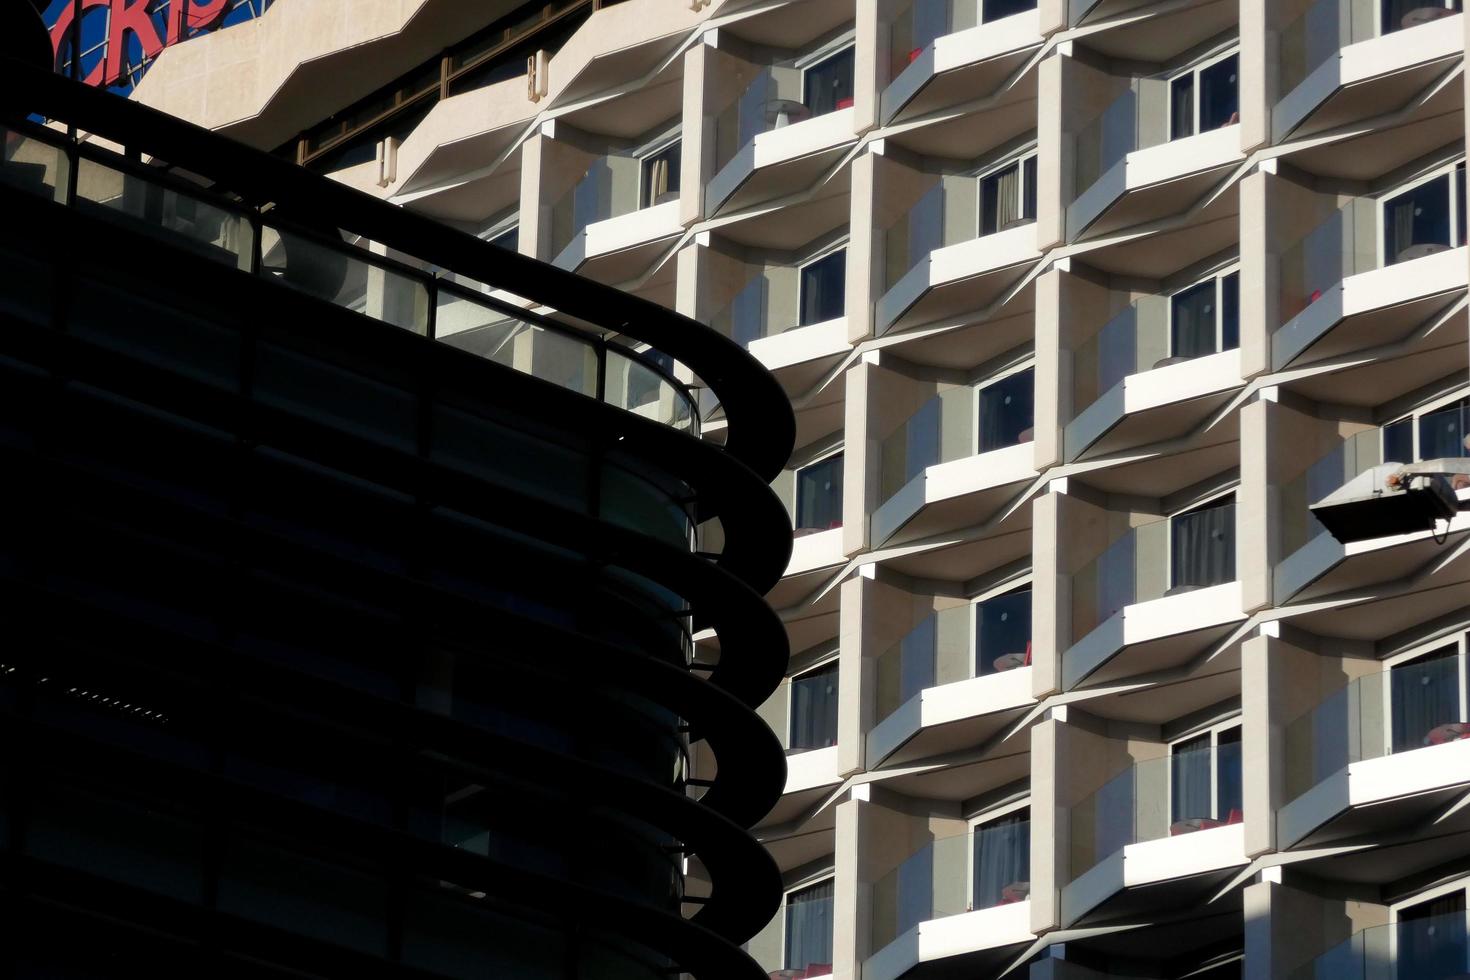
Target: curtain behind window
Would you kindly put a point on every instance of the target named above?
(824, 288)
(1002, 850)
(1431, 938)
(1420, 216)
(1202, 546)
(1181, 106)
(1424, 695)
(1008, 411)
(819, 495)
(1229, 795)
(1192, 317)
(1004, 627)
(814, 709)
(809, 926)
(1189, 779)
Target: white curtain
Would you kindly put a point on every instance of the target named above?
(1002, 857)
(1425, 695)
(1189, 780)
(809, 927)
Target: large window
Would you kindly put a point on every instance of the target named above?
(1204, 780)
(1399, 14)
(1202, 545)
(1008, 196)
(1205, 97)
(1007, 411)
(1001, 859)
(814, 708)
(660, 175)
(1427, 217)
(996, 9)
(824, 288)
(808, 922)
(1434, 432)
(1426, 698)
(1003, 632)
(819, 495)
(1429, 938)
(1205, 318)
(827, 85)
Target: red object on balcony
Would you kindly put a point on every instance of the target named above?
(1316, 295)
(1235, 816)
(1452, 732)
(845, 103)
(914, 55)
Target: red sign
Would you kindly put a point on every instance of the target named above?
(129, 19)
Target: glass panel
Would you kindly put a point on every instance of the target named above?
(345, 277)
(1003, 632)
(1202, 546)
(181, 219)
(828, 84)
(1417, 222)
(1431, 939)
(1229, 795)
(819, 495)
(917, 660)
(809, 929)
(1001, 203)
(1398, 444)
(661, 175)
(1007, 411)
(824, 288)
(1230, 312)
(1425, 695)
(1028, 188)
(1442, 433)
(1219, 94)
(814, 709)
(1181, 106)
(508, 240)
(996, 9)
(1002, 852)
(1189, 780)
(1401, 14)
(1192, 319)
(30, 164)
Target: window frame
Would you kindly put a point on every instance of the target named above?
(1214, 730)
(989, 815)
(1447, 170)
(823, 53)
(1016, 158)
(1219, 276)
(1196, 69)
(645, 154)
(1381, 11)
(819, 458)
(989, 381)
(828, 660)
(1024, 584)
(1414, 416)
(1461, 642)
(1202, 504)
(821, 254)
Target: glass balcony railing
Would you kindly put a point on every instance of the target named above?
(1328, 26)
(1169, 796)
(1433, 435)
(779, 95)
(920, 23)
(1165, 556)
(955, 644)
(614, 185)
(320, 263)
(1406, 707)
(1343, 244)
(777, 298)
(983, 867)
(1416, 947)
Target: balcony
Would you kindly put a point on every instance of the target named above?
(1157, 370)
(958, 460)
(1156, 147)
(1427, 942)
(1374, 271)
(1316, 564)
(789, 123)
(1344, 62)
(1386, 752)
(1156, 597)
(960, 243)
(961, 898)
(1161, 834)
(957, 679)
(943, 52)
(620, 213)
(797, 944)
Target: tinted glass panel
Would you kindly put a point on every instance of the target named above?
(819, 495)
(824, 288)
(1007, 410)
(1181, 107)
(1003, 625)
(829, 84)
(1189, 780)
(1192, 321)
(996, 9)
(809, 929)
(661, 175)
(1417, 222)
(1002, 855)
(1442, 432)
(1202, 546)
(1399, 14)
(1425, 695)
(1431, 939)
(814, 709)
(1219, 94)
(1229, 797)
(1398, 441)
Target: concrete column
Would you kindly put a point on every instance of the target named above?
(689, 287)
(1261, 748)
(535, 213)
(1260, 274)
(1255, 501)
(1053, 16)
(697, 150)
(869, 67)
(1259, 63)
(1050, 596)
(852, 892)
(1053, 378)
(1050, 840)
(856, 676)
(1052, 160)
(860, 466)
(864, 259)
(1286, 928)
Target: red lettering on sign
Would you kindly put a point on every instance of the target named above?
(202, 15)
(60, 29)
(129, 17)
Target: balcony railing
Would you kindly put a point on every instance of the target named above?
(1343, 244)
(922, 22)
(1163, 557)
(983, 867)
(1428, 947)
(1169, 796)
(1328, 26)
(392, 291)
(1435, 434)
(956, 644)
(1388, 712)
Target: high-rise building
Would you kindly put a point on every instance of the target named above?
(351, 584)
(1080, 306)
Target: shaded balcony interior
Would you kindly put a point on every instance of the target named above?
(920, 78)
(920, 23)
(803, 711)
(1419, 938)
(1208, 946)
(811, 486)
(1328, 232)
(755, 293)
(797, 943)
(1119, 330)
(590, 179)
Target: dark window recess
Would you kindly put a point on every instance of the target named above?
(814, 709)
(1431, 938)
(996, 9)
(1219, 99)
(1399, 14)
(824, 288)
(809, 929)
(1002, 860)
(660, 177)
(1442, 433)
(1008, 197)
(1003, 632)
(1202, 546)
(1417, 222)
(1007, 411)
(509, 240)
(819, 495)
(828, 84)
(1205, 318)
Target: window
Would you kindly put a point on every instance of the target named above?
(1417, 221)
(1202, 546)
(1003, 632)
(1001, 859)
(1204, 780)
(819, 495)
(510, 240)
(823, 288)
(1399, 14)
(659, 175)
(1429, 937)
(808, 929)
(1008, 196)
(996, 9)
(1435, 432)
(814, 708)
(1205, 318)
(1205, 97)
(1426, 698)
(827, 85)
(1007, 411)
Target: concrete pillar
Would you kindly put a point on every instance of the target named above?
(856, 675)
(689, 292)
(1255, 500)
(535, 213)
(860, 466)
(1286, 928)
(1260, 280)
(1053, 377)
(1052, 159)
(869, 67)
(1261, 750)
(1050, 596)
(1259, 64)
(852, 892)
(1050, 840)
(864, 259)
(697, 151)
